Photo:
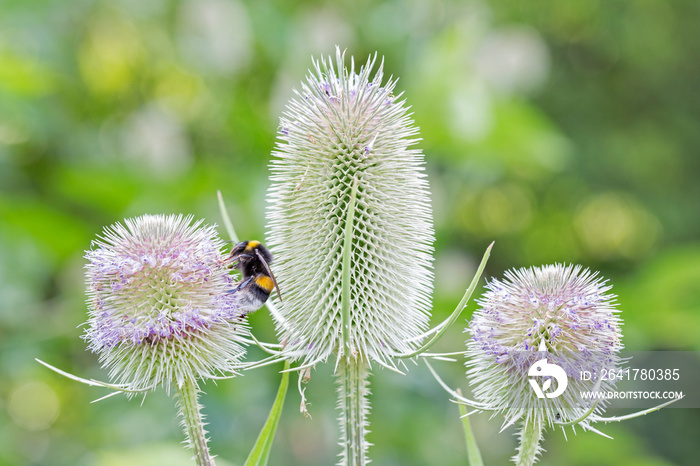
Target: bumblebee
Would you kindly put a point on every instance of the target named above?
(253, 259)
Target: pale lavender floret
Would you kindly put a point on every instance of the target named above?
(161, 280)
(539, 307)
(566, 307)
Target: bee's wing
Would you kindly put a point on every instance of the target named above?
(267, 267)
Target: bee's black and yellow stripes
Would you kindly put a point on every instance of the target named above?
(252, 259)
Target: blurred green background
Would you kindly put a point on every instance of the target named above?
(563, 130)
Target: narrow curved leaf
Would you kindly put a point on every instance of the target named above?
(473, 453)
(261, 451)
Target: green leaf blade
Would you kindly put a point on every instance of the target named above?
(473, 453)
(260, 453)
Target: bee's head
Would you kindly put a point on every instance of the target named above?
(248, 253)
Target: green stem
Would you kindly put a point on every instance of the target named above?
(193, 422)
(353, 369)
(530, 437)
(354, 404)
(347, 254)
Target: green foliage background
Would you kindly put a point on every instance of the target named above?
(563, 130)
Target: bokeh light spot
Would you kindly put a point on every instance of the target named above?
(155, 139)
(215, 35)
(613, 226)
(471, 111)
(34, 406)
(513, 59)
(505, 209)
(110, 55)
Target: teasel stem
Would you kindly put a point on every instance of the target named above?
(353, 392)
(353, 369)
(530, 437)
(193, 422)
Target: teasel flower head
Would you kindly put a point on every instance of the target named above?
(563, 314)
(160, 311)
(349, 207)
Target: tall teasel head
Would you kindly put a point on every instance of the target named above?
(562, 313)
(349, 206)
(159, 307)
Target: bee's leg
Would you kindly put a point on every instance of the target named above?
(240, 285)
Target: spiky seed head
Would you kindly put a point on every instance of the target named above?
(346, 125)
(159, 311)
(564, 309)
